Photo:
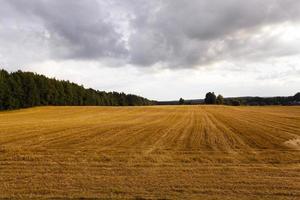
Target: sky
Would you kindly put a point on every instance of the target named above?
(159, 49)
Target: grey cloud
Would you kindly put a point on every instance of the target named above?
(77, 29)
(188, 33)
(173, 33)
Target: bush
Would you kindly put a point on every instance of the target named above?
(236, 103)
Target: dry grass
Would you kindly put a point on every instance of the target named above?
(179, 152)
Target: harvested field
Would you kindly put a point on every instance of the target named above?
(159, 152)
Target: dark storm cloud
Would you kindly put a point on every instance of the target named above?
(174, 33)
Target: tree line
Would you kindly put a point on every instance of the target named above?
(212, 99)
(26, 89)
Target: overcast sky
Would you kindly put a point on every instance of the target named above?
(160, 49)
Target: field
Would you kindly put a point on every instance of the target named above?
(159, 152)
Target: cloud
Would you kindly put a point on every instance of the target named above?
(142, 33)
(71, 29)
(191, 33)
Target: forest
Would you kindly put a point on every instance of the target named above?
(26, 89)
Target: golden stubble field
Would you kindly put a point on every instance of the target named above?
(159, 152)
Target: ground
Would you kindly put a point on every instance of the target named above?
(155, 152)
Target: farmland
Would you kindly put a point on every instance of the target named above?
(155, 152)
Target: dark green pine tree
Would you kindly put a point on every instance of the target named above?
(30, 89)
(5, 92)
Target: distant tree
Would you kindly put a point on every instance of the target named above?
(5, 92)
(297, 97)
(220, 99)
(15, 93)
(210, 98)
(31, 97)
(181, 101)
